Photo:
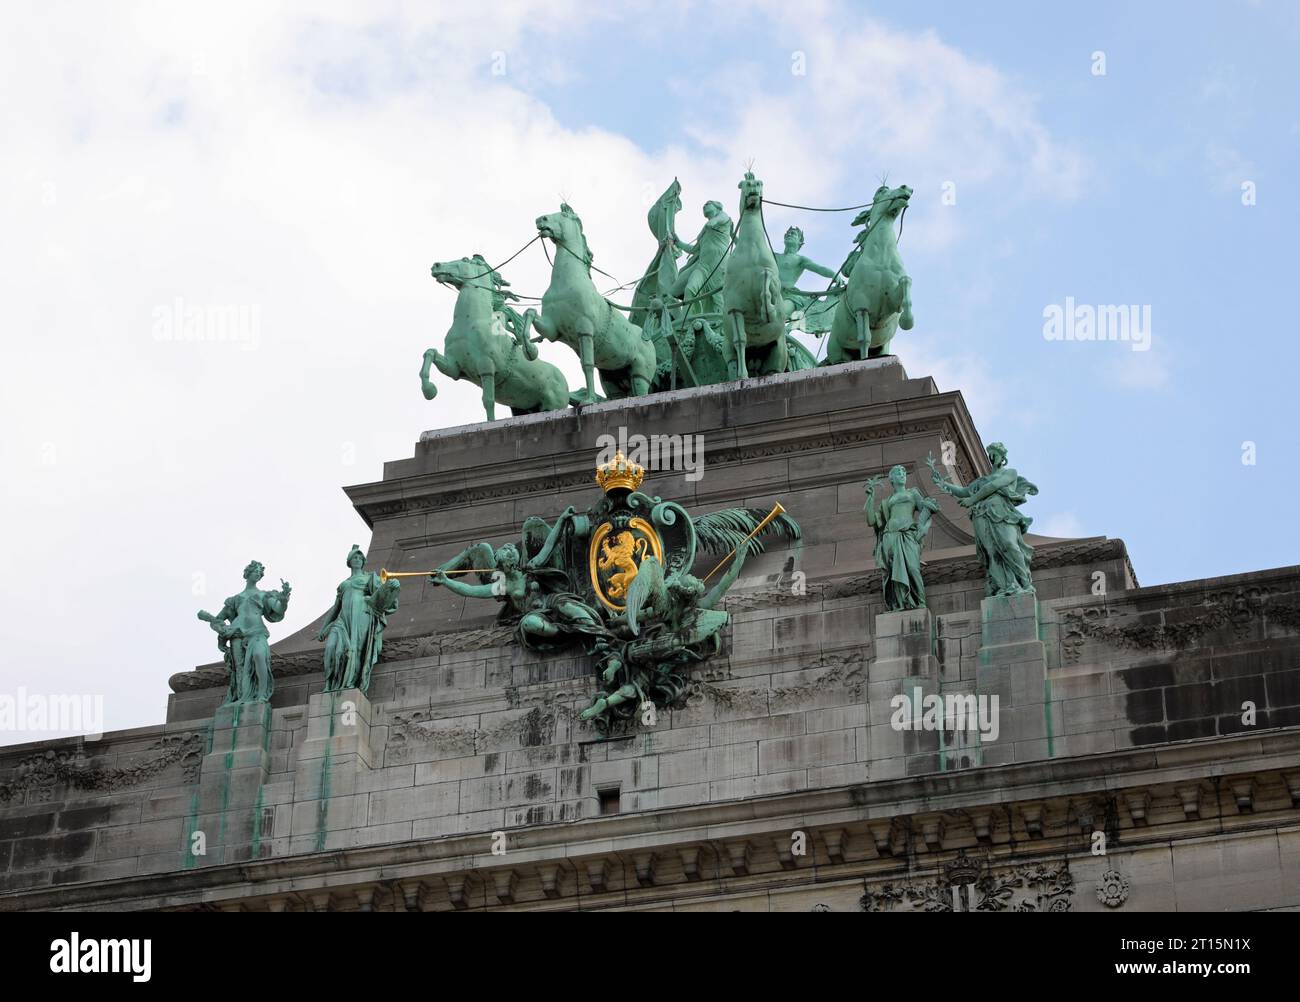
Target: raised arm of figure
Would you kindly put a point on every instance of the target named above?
(276, 603)
(817, 269)
(993, 483)
(875, 517)
(947, 486)
(544, 554)
(464, 587)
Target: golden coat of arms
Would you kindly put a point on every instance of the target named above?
(617, 548)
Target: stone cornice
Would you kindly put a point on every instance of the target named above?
(523, 476)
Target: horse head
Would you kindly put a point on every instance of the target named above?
(886, 204)
(473, 270)
(751, 193)
(565, 229)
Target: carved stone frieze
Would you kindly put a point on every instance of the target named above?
(1227, 610)
(38, 775)
(969, 885)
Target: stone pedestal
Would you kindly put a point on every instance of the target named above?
(905, 665)
(238, 759)
(328, 765)
(228, 810)
(1013, 667)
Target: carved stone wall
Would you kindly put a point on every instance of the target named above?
(466, 780)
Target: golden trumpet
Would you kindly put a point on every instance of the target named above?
(777, 510)
(386, 575)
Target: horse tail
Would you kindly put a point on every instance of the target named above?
(772, 303)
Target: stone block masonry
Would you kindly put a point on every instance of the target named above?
(464, 780)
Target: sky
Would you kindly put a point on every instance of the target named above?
(288, 172)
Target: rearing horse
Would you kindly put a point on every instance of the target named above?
(878, 298)
(751, 292)
(505, 372)
(574, 312)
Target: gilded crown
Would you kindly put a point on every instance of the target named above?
(619, 472)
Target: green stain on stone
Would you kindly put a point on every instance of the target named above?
(256, 850)
(188, 859)
(1047, 717)
(229, 764)
(323, 804)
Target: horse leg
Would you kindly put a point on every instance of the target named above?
(736, 327)
(840, 334)
(864, 332)
(426, 385)
(644, 368)
(487, 380)
(885, 334)
(905, 319)
(778, 357)
(587, 355)
(725, 349)
(445, 365)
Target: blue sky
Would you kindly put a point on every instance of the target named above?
(304, 165)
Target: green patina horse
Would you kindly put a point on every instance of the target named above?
(574, 312)
(751, 293)
(478, 351)
(878, 298)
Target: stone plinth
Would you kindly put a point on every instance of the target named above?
(905, 666)
(238, 757)
(228, 808)
(334, 756)
(1013, 667)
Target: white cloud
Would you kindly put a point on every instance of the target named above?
(983, 390)
(1062, 524)
(1139, 370)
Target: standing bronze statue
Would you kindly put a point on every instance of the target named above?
(994, 502)
(242, 636)
(353, 630)
(901, 523)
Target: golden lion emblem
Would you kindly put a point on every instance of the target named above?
(624, 555)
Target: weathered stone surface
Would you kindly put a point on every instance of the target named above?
(1127, 707)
